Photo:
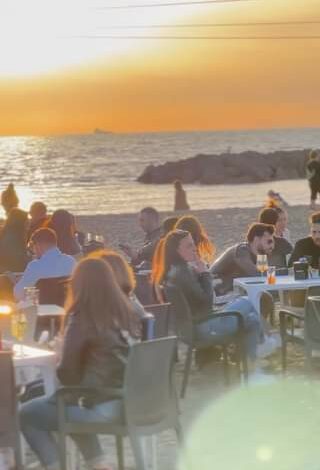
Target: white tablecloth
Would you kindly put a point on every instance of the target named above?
(254, 286)
(40, 359)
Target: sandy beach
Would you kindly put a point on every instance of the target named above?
(224, 226)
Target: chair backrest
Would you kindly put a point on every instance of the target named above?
(9, 427)
(150, 396)
(181, 311)
(160, 313)
(312, 321)
(52, 290)
(31, 316)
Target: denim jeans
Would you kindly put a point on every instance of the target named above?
(39, 418)
(213, 330)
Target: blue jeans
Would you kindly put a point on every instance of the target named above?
(215, 329)
(39, 418)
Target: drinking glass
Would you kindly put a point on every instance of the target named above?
(31, 294)
(18, 328)
(99, 239)
(89, 238)
(271, 275)
(262, 264)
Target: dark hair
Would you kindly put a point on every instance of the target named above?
(168, 224)
(258, 230)
(313, 154)
(9, 198)
(97, 298)
(268, 216)
(192, 225)
(44, 235)
(315, 218)
(167, 255)
(39, 206)
(150, 211)
(63, 223)
(177, 184)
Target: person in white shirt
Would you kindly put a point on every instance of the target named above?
(50, 261)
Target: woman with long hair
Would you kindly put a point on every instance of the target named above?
(205, 247)
(182, 267)
(99, 326)
(124, 276)
(63, 223)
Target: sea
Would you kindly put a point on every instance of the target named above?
(96, 173)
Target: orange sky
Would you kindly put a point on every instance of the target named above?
(170, 85)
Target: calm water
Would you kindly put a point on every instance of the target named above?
(90, 174)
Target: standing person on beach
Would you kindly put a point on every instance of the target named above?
(149, 221)
(313, 176)
(9, 199)
(180, 197)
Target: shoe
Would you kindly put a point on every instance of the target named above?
(269, 346)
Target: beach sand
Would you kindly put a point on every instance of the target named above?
(224, 227)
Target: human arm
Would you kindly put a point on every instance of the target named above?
(243, 259)
(195, 286)
(28, 279)
(297, 253)
(75, 343)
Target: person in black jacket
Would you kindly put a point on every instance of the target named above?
(181, 267)
(99, 326)
(309, 246)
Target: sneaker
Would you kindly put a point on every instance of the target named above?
(269, 346)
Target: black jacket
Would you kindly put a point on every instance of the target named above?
(196, 288)
(92, 359)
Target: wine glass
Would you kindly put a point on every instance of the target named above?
(262, 263)
(19, 327)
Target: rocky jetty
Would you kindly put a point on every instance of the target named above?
(228, 168)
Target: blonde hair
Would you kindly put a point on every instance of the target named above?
(121, 269)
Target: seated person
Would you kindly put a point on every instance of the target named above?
(64, 225)
(99, 328)
(240, 260)
(309, 246)
(205, 248)
(150, 224)
(182, 267)
(282, 248)
(38, 217)
(50, 261)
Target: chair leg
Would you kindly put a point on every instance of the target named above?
(284, 355)
(62, 451)
(225, 365)
(179, 433)
(120, 454)
(186, 372)
(137, 450)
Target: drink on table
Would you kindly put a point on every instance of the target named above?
(271, 275)
(262, 264)
(19, 327)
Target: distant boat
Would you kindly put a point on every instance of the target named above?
(101, 131)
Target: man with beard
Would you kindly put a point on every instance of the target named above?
(240, 260)
(310, 246)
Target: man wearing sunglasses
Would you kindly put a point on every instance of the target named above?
(240, 260)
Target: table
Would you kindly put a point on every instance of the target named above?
(255, 286)
(41, 359)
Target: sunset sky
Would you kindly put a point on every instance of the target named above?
(55, 77)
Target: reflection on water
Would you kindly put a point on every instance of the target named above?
(96, 173)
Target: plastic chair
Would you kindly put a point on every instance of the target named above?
(311, 327)
(149, 398)
(186, 324)
(52, 290)
(9, 423)
(160, 313)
